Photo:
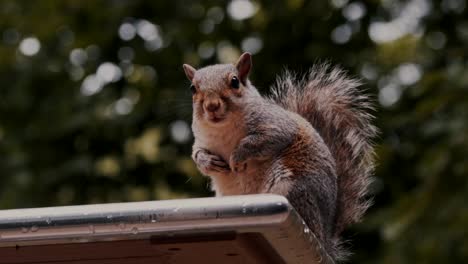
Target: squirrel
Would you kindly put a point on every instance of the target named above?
(310, 141)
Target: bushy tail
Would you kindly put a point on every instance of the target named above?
(340, 112)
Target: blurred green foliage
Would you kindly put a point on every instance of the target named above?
(94, 105)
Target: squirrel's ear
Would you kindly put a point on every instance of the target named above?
(189, 71)
(243, 65)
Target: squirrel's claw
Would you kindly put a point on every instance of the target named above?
(241, 167)
(210, 164)
(236, 165)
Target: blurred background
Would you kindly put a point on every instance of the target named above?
(95, 107)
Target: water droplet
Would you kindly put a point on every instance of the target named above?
(244, 210)
(109, 217)
(135, 230)
(24, 230)
(153, 218)
(306, 230)
(48, 221)
(122, 225)
(91, 228)
(176, 209)
(34, 228)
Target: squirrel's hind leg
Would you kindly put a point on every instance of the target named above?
(278, 179)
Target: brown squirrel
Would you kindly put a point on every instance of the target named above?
(310, 141)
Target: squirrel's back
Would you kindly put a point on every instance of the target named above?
(340, 112)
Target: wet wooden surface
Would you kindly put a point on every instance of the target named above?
(224, 248)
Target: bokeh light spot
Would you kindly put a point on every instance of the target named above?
(78, 57)
(30, 46)
(409, 73)
(91, 85)
(123, 106)
(206, 50)
(354, 11)
(389, 95)
(180, 131)
(241, 9)
(252, 44)
(341, 34)
(109, 72)
(127, 31)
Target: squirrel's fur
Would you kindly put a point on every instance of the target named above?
(341, 113)
(309, 141)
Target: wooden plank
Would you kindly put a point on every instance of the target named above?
(220, 248)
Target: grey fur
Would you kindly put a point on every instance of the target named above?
(341, 113)
(309, 141)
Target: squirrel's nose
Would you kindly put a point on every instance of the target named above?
(212, 106)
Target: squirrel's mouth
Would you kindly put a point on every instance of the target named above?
(213, 118)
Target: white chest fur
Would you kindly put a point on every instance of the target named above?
(220, 139)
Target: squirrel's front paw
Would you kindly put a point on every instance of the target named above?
(237, 165)
(211, 164)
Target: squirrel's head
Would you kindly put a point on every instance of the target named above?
(219, 90)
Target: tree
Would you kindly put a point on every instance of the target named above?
(94, 105)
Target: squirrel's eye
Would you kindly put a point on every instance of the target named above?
(235, 82)
(193, 89)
